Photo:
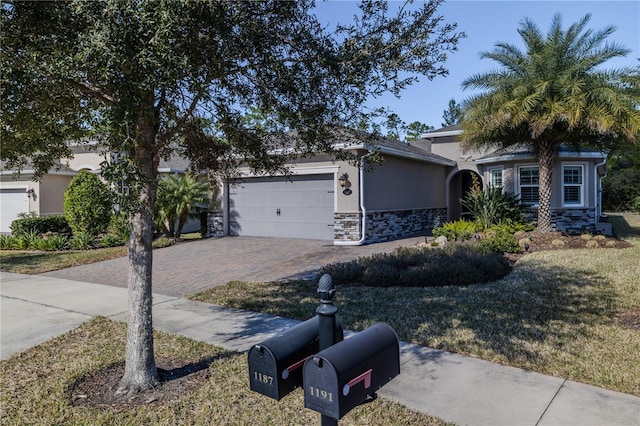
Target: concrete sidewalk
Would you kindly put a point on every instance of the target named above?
(459, 389)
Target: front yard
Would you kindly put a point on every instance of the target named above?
(568, 313)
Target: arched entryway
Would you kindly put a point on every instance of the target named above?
(459, 183)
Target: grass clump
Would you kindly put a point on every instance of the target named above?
(36, 387)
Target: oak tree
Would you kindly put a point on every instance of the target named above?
(151, 78)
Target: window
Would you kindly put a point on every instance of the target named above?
(572, 185)
(495, 178)
(529, 182)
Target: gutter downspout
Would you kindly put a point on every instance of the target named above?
(596, 189)
(363, 209)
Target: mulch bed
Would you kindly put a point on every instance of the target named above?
(177, 378)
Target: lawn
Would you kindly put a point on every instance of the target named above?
(558, 313)
(38, 387)
(39, 262)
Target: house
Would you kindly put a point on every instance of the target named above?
(576, 203)
(336, 200)
(46, 197)
(418, 185)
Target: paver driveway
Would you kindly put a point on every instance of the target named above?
(196, 266)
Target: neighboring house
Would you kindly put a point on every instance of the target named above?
(335, 200)
(576, 203)
(46, 197)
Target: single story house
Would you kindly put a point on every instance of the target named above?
(335, 200)
(418, 185)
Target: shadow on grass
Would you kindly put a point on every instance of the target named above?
(536, 304)
(621, 226)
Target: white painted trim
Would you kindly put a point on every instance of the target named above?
(402, 154)
(490, 176)
(583, 185)
(4, 185)
(516, 180)
(433, 135)
(531, 156)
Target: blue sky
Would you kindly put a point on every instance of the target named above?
(486, 23)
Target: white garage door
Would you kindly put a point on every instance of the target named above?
(276, 207)
(12, 202)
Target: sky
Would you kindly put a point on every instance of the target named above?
(485, 24)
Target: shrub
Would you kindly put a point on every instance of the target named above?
(500, 242)
(81, 241)
(88, 204)
(636, 204)
(492, 205)
(7, 242)
(51, 243)
(111, 240)
(27, 241)
(119, 227)
(459, 230)
(456, 264)
(39, 224)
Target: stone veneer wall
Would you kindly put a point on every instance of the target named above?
(571, 221)
(346, 226)
(215, 224)
(389, 225)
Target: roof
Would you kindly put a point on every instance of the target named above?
(356, 139)
(452, 130)
(524, 152)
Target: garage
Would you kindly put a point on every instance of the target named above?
(13, 201)
(298, 207)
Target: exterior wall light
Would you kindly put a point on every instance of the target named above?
(344, 179)
(31, 194)
(345, 184)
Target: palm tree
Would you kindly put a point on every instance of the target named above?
(554, 93)
(178, 196)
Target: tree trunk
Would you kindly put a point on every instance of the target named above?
(545, 163)
(140, 369)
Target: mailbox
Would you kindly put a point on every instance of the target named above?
(275, 365)
(342, 376)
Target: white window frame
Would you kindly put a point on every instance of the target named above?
(581, 185)
(520, 185)
(493, 173)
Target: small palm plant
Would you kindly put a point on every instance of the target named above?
(178, 197)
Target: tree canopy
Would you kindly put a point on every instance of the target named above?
(452, 114)
(154, 77)
(555, 92)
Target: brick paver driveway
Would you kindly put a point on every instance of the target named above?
(196, 266)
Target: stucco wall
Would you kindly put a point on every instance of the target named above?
(403, 184)
(51, 194)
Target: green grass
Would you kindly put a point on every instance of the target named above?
(553, 314)
(36, 262)
(36, 387)
(39, 262)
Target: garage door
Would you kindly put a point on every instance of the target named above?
(276, 207)
(12, 203)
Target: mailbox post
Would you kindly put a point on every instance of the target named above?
(327, 317)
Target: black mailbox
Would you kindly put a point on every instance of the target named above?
(275, 365)
(342, 376)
